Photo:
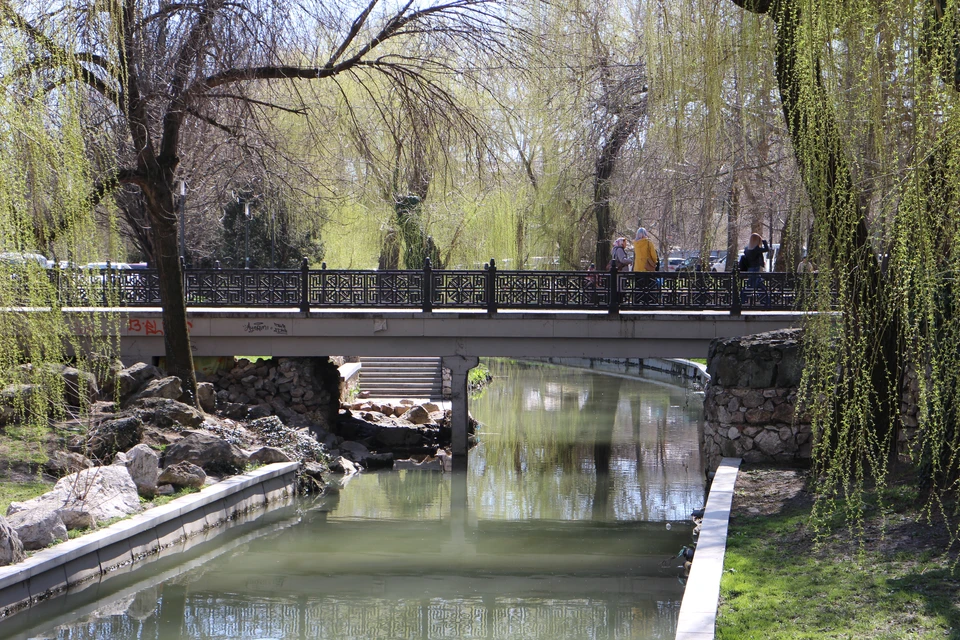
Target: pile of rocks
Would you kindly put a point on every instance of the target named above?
(295, 389)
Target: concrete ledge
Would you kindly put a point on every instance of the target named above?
(143, 537)
(698, 611)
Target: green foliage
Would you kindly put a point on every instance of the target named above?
(775, 585)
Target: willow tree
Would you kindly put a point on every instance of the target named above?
(157, 69)
(44, 208)
(868, 91)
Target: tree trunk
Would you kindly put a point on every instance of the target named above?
(176, 335)
(605, 165)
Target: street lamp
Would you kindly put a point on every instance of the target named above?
(182, 207)
(246, 235)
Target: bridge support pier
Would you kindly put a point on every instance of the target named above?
(459, 366)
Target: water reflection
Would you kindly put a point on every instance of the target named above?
(555, 531)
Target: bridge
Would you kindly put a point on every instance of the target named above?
(456, 315)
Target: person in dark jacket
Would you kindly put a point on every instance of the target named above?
(753, 256)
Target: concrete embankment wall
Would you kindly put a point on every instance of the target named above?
(665, 369)
(143, 537)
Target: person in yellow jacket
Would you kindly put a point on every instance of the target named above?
(644, 253)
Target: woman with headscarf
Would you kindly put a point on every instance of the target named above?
(619, 258)
(644, 253)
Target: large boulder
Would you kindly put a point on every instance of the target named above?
(103, 492)
(170, 387)
(38, 528)
(143, 465)
(142, 373)
(183, 474)
(11, 548)
(110, 437)
(212, 454)
(167, 413)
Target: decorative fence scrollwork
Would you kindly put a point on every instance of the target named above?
(487, 290)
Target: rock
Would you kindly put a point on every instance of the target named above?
(166, 489)
(269, 455)
(361, 455)
(170, 388)
(183, 474)
(354, 450)
(311, 478)
(212, 454)
(207, 397)
(167, 413)
(102, 492)
(38, 528)
(143, 465)
(259, 411)
(105, 440)
(399, 436)
(417, 415)
(234, 410)
(142, 373)
(344, 466)
(11, 548)
(63, 463)
(13, 396)
(430, 407)
(77, 519)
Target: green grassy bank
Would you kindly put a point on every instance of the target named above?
(783, 581)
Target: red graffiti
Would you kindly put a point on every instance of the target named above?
(148, 327)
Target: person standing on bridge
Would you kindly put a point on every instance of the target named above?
(753, 259)
(619, 259)
(645, 260)
(644, 253)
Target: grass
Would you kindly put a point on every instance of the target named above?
(778, 584)
(20, 491)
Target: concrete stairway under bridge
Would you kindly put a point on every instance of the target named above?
(384, 377)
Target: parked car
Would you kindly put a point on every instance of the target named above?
(691, 264)
(673, 263)
(18, 259)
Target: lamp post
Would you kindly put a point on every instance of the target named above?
(182, 208)
(246, 235)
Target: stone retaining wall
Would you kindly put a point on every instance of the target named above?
(750, 404)
(141, 538)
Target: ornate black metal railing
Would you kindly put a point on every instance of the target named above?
(428, 289)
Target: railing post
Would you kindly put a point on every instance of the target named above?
(735, 307)
(490, 282)
(427, 286)
(305, 285)
(323, 283)
(614, 291)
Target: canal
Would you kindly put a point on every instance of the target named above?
(566, 525)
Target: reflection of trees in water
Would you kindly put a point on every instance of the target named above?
(582, 445)
(409, 492)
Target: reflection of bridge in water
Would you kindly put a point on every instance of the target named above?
(483, 579)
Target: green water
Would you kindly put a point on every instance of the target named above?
(557, 530)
